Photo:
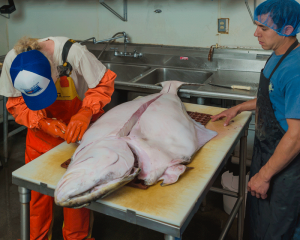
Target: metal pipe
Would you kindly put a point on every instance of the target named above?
(224, 192)
(24, 197)
(203, 204)
(19, 129)
(125, 43)
(249, 10)
(231, 218)
(125, 10)
(211, 50)
(125, 37)
(169, 237)
(104, 40)
(5, 130)
(242, 183)
(114, 12)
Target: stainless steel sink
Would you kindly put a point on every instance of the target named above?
(125, 73)
(165, 74)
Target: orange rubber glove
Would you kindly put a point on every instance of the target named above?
(78, 125)
(53, 127)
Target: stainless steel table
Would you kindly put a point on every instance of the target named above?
(145, 208)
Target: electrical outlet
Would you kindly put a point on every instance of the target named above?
(223, 25)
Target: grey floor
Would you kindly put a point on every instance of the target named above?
(204, 225)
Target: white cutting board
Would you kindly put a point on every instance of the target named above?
(170, 204)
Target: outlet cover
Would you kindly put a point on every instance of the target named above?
(223, 25)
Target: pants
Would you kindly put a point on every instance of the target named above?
(76, 221)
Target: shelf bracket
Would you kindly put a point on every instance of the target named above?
(249, 10)
(114, 12)
(8, 15)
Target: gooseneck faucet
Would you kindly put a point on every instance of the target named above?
(113, 38)
(211, 51)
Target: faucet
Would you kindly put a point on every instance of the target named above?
(134, 54)
(211, 50)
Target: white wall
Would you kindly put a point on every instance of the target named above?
(3, 35)
(182, 22)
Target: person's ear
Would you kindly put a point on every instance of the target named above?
(288, 29)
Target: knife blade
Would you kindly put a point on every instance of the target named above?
(232, 86)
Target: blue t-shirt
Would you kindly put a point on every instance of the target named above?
(284, 88)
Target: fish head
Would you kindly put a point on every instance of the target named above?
(95, 170)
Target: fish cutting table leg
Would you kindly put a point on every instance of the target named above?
(25, 223)
(242, 183)
(169, 237)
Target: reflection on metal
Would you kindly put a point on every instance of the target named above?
(249, 10)
(114, 12)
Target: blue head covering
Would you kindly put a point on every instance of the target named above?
(277, 14)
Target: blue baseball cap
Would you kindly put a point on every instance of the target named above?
(31, 75)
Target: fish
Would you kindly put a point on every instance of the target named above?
(151, 138)
(165, 138)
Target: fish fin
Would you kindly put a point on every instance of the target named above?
(189, 168)
(183, 160)
(172, 174)
(83, 205)
(203, 134)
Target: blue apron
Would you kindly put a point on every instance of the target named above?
(277, 216)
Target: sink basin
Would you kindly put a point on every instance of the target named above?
(125, 73)
(165, 74)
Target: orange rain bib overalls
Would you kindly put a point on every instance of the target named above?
(77, 224)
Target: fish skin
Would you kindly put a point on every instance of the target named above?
(83, 176)
(101, 154)
(165, 135)
(140, 130)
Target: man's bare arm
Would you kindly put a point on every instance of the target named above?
(287, 149)
(232, 112)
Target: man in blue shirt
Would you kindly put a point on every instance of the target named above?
(273, 201)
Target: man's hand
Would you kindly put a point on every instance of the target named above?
(258, 185)
(232, 112)
(78, 125)
(229, 114)
(53, 127)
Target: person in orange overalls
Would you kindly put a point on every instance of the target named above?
(55, 87)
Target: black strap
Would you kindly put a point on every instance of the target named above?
(291, 48)
(66, 68)
(66, 49)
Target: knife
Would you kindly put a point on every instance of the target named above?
(232, 86)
